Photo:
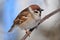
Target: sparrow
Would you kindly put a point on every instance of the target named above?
(27, 18)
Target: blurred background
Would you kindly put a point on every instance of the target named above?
(9, 9)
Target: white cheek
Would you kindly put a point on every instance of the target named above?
(37, 17)
(37, 13)
(31, 10)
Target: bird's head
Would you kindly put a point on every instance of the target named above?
(35, 10)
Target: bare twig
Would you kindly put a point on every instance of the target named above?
(42, 20)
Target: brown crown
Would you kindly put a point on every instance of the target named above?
(34, 7)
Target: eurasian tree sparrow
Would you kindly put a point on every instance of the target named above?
(27, 18)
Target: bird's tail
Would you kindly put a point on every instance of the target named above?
(11, 29)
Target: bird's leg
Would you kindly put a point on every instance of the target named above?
(27, 32)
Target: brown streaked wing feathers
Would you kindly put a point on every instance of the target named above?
(20, 18)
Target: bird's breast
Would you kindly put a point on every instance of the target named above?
(28, 24)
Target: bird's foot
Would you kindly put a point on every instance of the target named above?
(27, 32)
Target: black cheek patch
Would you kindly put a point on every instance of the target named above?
(36, 11)
(40, 14)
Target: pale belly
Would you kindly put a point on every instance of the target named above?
(29, 24)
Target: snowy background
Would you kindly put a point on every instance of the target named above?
(9, 9)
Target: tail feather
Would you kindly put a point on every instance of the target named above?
(11, 29)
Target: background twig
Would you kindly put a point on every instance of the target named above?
(42, 20)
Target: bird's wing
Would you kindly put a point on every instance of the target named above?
(22, 17)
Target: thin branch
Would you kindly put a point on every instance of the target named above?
(42, 20)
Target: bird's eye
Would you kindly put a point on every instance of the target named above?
(36, 11)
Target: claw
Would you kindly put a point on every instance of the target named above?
(27, 32)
